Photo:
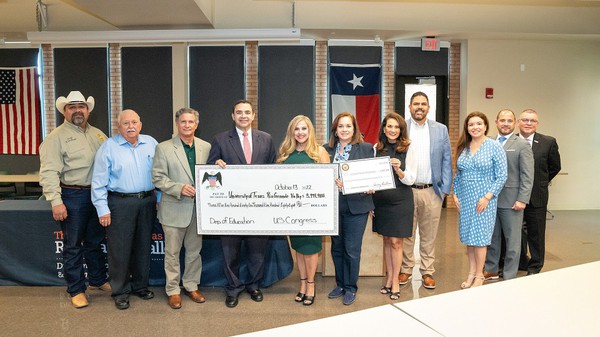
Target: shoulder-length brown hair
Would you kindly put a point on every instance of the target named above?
(403, 141)
(333, 137)
(464, 141)
(289, 144)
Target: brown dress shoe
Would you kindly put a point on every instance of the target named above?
(79, 301)
(196, 296)
(104, 287)
(490, 276)
(428, 281)
(403, 278)
(175, 301)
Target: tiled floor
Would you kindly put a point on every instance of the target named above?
(573, 238)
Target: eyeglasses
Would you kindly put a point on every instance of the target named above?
(528, 121)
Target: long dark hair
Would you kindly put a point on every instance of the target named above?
(403, 141)
(464, 141)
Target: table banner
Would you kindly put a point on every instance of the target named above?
(300, 199)
(31, 247)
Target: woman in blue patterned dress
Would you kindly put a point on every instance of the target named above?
(300, 147)
(481, 173)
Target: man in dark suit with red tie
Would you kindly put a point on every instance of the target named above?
(546, 167)
(243, 146)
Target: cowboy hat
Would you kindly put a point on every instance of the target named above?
(74, 97)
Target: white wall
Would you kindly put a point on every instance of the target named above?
(561, 81)
(180, 79)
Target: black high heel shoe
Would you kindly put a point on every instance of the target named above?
(300, 296)
(309, 300)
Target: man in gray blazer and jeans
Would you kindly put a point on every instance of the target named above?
(511, 201)
(173, 172)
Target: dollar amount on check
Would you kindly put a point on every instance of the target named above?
(267, 199)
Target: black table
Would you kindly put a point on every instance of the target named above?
(31, 250)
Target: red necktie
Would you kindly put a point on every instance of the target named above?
(247, 148)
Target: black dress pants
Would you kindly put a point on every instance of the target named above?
(129, 243)
(256, 247)
(534, 237)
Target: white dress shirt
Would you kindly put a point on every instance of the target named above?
(420, 143)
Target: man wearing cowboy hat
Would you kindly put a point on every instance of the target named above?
(66, 157)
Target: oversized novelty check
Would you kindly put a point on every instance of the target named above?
(362, 175)
(267, 199)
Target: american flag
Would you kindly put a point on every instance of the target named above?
(20, 117)
(356, 88)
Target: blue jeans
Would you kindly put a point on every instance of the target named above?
(347, 246)
(82, 239)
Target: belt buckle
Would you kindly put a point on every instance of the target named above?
(140, 195)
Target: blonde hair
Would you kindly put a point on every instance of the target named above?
(289, 144)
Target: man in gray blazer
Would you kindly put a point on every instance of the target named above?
(434, 179)
(173, 173)
(511, 201)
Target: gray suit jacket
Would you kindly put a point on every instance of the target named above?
(170, 171)
(518, 186)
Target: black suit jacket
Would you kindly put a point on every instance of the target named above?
(227, 146)
(546, 167)
(361, 202)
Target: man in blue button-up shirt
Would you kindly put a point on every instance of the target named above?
(123, 194)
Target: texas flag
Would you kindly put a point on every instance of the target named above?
(356, 88)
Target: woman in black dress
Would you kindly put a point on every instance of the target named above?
(393, 215)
